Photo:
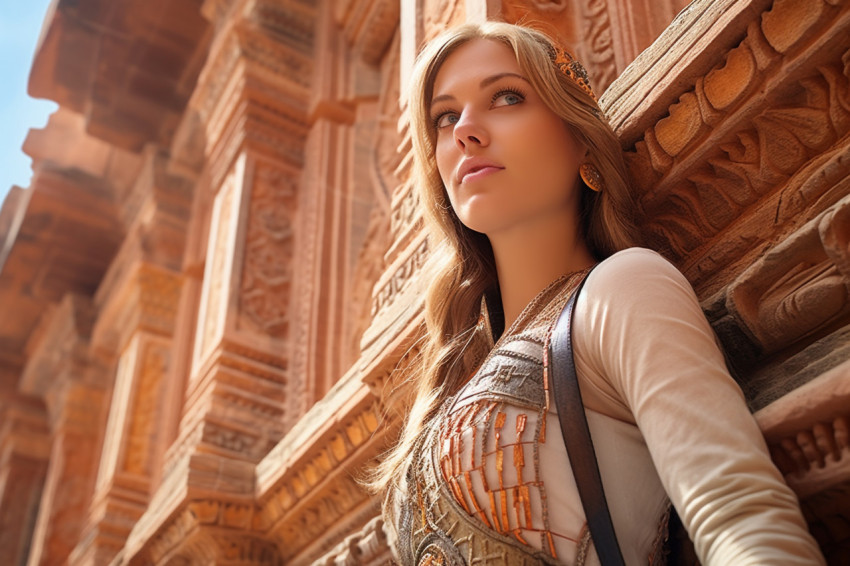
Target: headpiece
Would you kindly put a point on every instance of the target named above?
(573, 69)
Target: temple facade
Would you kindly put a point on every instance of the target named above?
(210, 292)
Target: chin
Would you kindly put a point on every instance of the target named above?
(481, 225)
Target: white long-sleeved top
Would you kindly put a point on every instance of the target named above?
(490, 482)
(647, 357)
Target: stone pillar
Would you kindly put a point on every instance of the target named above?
(250, 103)
(62, 371)
(138, 302)
(344, 197)
(24, 450)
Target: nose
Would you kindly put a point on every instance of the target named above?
(468, 130)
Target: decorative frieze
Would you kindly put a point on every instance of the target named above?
(214, 529)
(738, 147)
(305, 485)
(808, 433)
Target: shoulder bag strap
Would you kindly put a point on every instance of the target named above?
(565, 390)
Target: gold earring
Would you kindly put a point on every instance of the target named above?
(591, 177)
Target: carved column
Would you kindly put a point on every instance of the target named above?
(138, 301)
(62, 371)
(344, 199)
(251, 103)
(24, 450)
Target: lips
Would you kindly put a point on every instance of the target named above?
(476, 166)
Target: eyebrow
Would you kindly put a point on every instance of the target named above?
(483, 84)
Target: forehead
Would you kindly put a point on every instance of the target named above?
(473, 61)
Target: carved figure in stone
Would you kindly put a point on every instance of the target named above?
(525, 191)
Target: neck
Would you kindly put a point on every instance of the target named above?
(530, 258)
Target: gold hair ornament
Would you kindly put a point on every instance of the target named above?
(591, 177)
(570, 66)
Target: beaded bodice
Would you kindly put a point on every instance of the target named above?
(474, 490)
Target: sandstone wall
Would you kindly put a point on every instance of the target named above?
(210, 291)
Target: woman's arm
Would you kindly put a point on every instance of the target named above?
(645, 353)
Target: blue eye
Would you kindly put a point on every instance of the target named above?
(445, 119)
(507, 97)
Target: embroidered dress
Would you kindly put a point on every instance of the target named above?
(476, 489)
(489, 481)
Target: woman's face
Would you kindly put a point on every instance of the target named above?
(506, 159)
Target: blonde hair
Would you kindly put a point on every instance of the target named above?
(461, 260)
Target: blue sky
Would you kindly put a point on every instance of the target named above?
(20, 26)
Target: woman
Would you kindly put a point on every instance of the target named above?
(524, 189)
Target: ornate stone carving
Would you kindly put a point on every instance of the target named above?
(597, 45)
(213, 529)
(302, 495)
(716, 159)
(266, 273)
(402, 275)
(796, 287)
(808, 433)
(814, 452)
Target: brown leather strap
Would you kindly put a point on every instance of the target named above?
(567, 395)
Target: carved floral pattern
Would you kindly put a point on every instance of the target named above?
(266, 276)
(699, 171)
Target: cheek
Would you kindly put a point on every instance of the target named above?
(553, 156)
(445, 163)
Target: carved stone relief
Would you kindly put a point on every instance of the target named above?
(266, 273)
(597, 45)
(728, 151)
(212, 530)
(309, 495)
(807, 433)
(796, 287)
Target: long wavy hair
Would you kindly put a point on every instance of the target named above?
(461, 265)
